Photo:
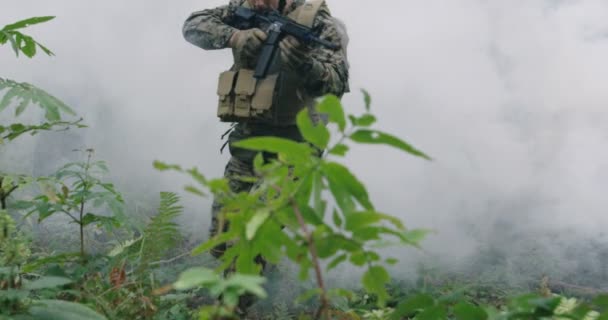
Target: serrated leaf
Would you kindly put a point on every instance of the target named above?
(161, 166)
(367, 98)
(24, 103)
(195, 277)
(359, 220)
(374, 281)
(337, 261)
(248, 283)
(376, 137)
(332, 106)
(414, 237)
(8, 97)
(288, 148)
(29, 47)
(195, 190)
(366, 120)
(336, 218)
(255, 223)
(339, 175)
(27, 22)
(90, 218)
(317, 134)
(339, 150)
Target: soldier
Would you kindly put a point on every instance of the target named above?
(298, 75)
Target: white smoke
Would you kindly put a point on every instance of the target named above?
(507, 97)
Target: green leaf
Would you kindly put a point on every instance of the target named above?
(63, 310)
(337, 261)
(213, 242)
(27, 22)
(339, 150)
(374, 281)
(414, 237)
(433, 313)
(47, 282)
(308, 294)
(90, 218)
(601, 302)
(358, 258)
(256, 222)
(366, 120)
(52, 113)
(195, 190)
(377, 137)
(337, 219)
(317, 134)
(332, 106)
(467, 311)
(248, 283)
(289, 148)
(338, 292)
(8, 97)
(45, 49)
(195, 277)
(29, 49)
(367, 98)
(24, 103)
(310, 215)
(161, 166)
(359, 220)
(339, 175)
(14, 44)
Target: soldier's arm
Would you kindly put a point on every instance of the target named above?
(329, 69)
(206, 29)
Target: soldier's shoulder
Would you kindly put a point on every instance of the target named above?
(324, 17)
(236, 3)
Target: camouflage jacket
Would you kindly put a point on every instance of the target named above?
(207, 30)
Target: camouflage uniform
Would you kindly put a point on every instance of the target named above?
(206, 30)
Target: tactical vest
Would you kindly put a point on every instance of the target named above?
(274, 100)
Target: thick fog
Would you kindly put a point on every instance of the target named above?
(508, 97)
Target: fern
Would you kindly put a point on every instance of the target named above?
(162, 233)
(281, 312)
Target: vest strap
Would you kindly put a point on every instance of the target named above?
(307, 12)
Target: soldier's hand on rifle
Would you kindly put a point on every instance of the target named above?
(294, 54)
(247, 44)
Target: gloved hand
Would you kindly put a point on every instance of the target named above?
(247, 44)
(295, 55)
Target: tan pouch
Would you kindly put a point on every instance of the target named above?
(264, 94)
(226, 99)
(243, 90)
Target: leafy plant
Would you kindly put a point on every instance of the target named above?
(73, 190)
(20, 41)
(19, 296)
(285, 214)
(123, 289)
(230, 289)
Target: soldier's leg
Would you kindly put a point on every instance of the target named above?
(235, 168)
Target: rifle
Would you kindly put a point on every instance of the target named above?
(280, 27)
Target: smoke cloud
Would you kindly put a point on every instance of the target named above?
(508, 98)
